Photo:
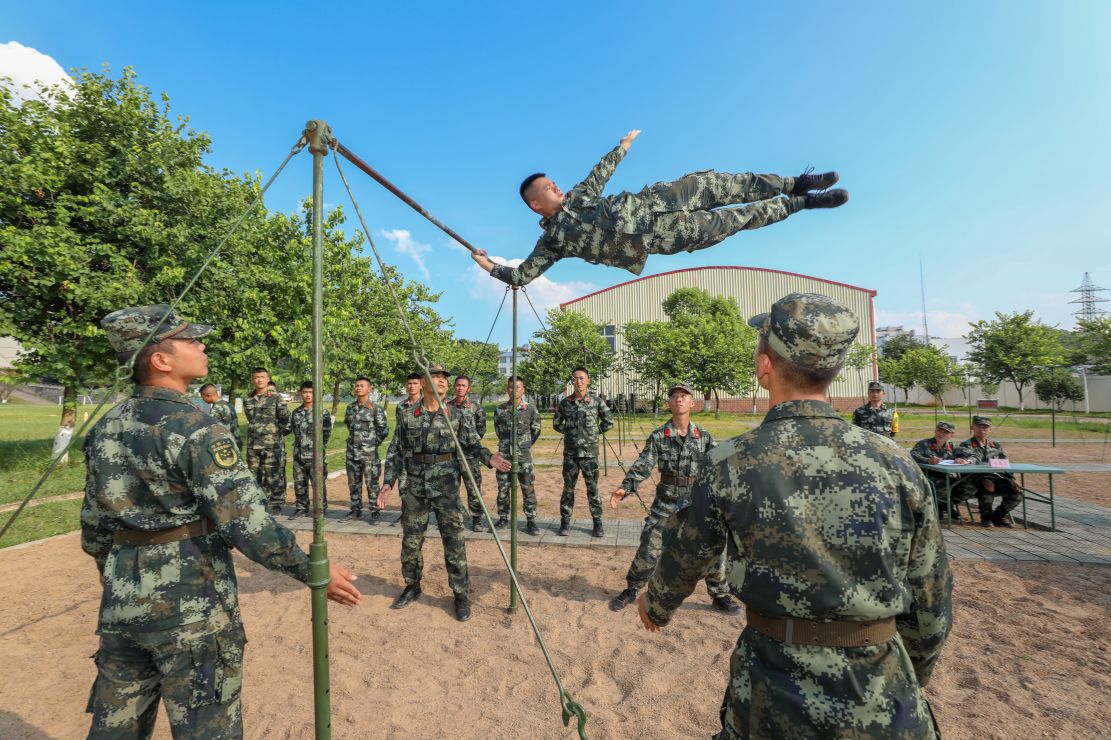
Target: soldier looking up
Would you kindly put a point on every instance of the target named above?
(581, 418)
(301, 423)
(874, 415)
(267, 424)
(477, 415)
(166, 498)
(841, 564)
(367, 428)
(669, 217)
(679, 447)
(425, 450)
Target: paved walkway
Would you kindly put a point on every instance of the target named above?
(1083, 534)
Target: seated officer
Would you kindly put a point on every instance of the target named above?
(979, 450)
(933, 450)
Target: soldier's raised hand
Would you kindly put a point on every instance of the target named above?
(628, 138)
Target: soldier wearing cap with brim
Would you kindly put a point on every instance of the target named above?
(875, 416)
(980, 450)
(166, 498)
(425, 450)
(933, 451)
(678, 449)
(841, 564)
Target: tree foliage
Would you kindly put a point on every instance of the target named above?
(1094, 338)
(569, 340)
(1014, 347)
(1058, 386)
(931, 369)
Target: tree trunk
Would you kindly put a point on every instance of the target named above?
(717, 404)
(69, 419)
(705, 400)
(232, 394)
(335, 396)
(1021, 403)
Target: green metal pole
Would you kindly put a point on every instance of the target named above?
(318, 134)
(513, 459)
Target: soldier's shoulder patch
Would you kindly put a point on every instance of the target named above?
(224, 453)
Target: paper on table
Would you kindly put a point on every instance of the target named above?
(948, 462)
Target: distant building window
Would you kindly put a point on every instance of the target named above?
(610, 333)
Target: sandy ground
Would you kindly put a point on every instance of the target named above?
(1029, 656)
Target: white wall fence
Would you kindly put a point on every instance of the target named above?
(1099, 395)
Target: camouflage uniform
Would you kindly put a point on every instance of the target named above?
(875, 420)
(223, 412)
(581, 421)
(267, 423)
(834, 525)
(424, 450)
(302, 456)
(665, 218)
(528, 431)
(169, 620)
(367, 428)
(973, 485)
(391, 451)
(676, 456)
(922, 451)
(477, 415)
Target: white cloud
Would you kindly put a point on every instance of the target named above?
(941, 323)
(544, 292)
(404, 243)
(26, 66)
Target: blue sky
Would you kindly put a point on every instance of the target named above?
(972, 136)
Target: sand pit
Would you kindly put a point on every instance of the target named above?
(1029, 656)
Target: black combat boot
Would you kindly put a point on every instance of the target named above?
(564, 527)
(623, 599)
(985, 520)
(411, 593)
(353, 514)
(477, 524)
(375, 516)
(726, 604)
(598, 531)
(501, 523)
(531, 528)
(1000, 518)
(275, 509)
(808, 181)
(462, 608)
(955, 515)
(826, 199)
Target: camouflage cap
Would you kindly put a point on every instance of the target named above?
(128, 327)
(437, 369)
(981, 421)
(811, 330)
(679, 387)
(946, 426)
(875, 386)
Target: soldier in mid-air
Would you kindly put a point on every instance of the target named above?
(166, 498)
(267, 424)
(874, 415)
(979, 450)
(841, 564)
(477, 415)
(679, 448)
(688, 214)
(528, 431)
(301, 423)
(222, 411)
(581, 418)
(367, 428)
(425, 450)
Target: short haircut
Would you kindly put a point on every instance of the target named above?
(271, 383)
(463, 377)
(140, 371)
(363, 378)
(814, 380)
(527, 182)
(414, 376)
(206, 386)
(306, 384)
(258, 370)
(582, 369)
(509, 381)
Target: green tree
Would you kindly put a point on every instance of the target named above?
(1014, 347)
(896, 346)
(570, 339)
(653, 354)
(898, 373)
(861, 358)
(1058, 386)
(932, 370)
(1094, 338)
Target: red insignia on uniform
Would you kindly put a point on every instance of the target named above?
(697, 434)
(416, 412)
(667, 432)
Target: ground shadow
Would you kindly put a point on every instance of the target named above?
(13, 727)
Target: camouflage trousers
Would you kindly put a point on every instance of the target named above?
(414, 523)
(1005, 487)
(268, 465)
(198, 674)
(302, 479)
(362, 473)
(571, 468)
(802, 691)
(651, 544)
(685, 222)
(526, 476)
(473, 506)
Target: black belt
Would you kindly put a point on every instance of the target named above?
(139, 537)
(677, 480)
(429, 459)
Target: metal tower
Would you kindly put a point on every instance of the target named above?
(1088, 300)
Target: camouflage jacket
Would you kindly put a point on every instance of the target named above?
(924, 449)
(528, 429)
(830, 523)
(302, 432)
(971, 449)
(155, 462)
(475, 412)
(225, 414)
(398, 412)
(420, 432)
(267, 420)
(581, 421)
(367, 428)
(874, 420)
(674, 454)
(601, 230)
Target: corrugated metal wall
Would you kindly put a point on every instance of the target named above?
(753, 289)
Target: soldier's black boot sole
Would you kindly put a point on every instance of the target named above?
(462, 608)
(806, 182)
(827, 199)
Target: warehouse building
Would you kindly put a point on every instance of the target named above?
(753, 289)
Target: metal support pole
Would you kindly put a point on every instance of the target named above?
(513, 458)
(318, 134)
